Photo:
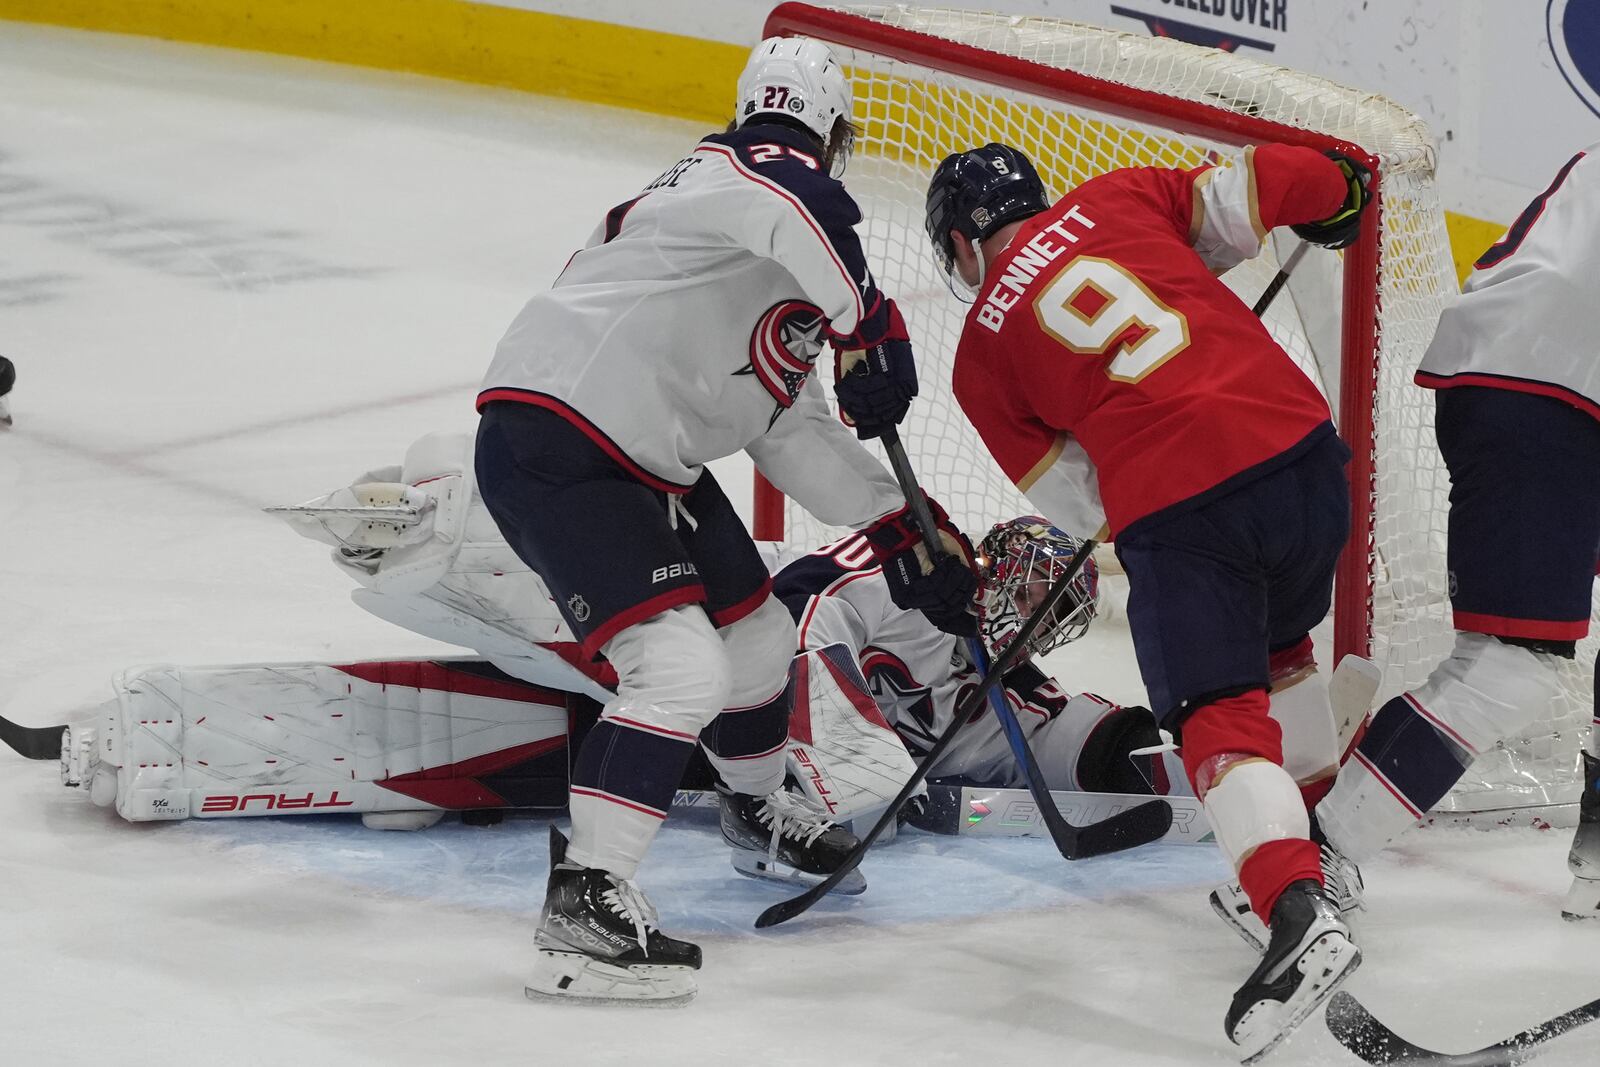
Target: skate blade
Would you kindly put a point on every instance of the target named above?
(1330, 960)
(1240, 919)
(752, 865)
(1583, 900)
(576, 978)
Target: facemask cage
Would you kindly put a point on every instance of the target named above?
(1020, 561)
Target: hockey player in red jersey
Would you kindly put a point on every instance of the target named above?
(1124, 388)
(1516, 366)
(686, 330)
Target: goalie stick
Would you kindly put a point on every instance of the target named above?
(788, 909)
(32, 742)
(1127, 829)
(1359, 1031)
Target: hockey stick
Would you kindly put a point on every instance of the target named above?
(1279, 280)
(788, 909)
(1359, 1031)
(32, 742)
(1127, 829)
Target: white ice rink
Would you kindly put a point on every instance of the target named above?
(229, 281)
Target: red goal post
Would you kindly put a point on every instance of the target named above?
(1081, 100)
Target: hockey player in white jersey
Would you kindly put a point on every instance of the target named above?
(1516, 369)
(918, 674)
(684, 331)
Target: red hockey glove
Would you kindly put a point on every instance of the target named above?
(942, 589)
(875, 382)
(1341, 229)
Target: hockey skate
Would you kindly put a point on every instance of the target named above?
(783, 838)
(1583, 899)
(1309, 955)
(598, 941)
(1340, 876)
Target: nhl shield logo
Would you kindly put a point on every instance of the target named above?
(783, 348)
(578, 606)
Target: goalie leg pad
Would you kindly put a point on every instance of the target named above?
(843, 752)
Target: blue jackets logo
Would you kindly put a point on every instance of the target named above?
(1574, 30)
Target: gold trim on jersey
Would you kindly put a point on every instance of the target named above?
(1046, 461)
(1254, 197)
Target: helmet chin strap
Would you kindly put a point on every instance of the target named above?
(967, 294)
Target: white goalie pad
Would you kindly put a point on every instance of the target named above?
(180, 742)
(846, 756)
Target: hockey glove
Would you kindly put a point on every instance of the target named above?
(1341, 229)
(875, 382)
(942, 589)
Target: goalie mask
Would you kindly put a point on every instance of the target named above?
(1019, 561)
(975, 193)
(797, 78)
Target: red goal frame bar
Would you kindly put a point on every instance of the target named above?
(1358, 362)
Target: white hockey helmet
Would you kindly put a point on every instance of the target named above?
(796, 77)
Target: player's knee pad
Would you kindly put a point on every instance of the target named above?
(1487, 690)
(1251, 801)
(759, 648)
(672, 671)
(1301, 706)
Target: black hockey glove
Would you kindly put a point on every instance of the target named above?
(876, 382)
(942, 589)
(1341, 229)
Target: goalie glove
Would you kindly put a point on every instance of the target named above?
(942, 589)
(1341, 229)
(875, 382)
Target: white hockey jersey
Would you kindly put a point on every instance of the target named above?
(918, 675)
(1529, 315)
(688, 327)
(456, 580)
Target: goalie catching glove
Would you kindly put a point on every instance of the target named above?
(1341, 229)
(876, 380)
(942, 589)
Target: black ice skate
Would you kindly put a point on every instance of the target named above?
(1583, 899)
(782, 837)
(1340, 875)
(1309, 955)
(598, 941)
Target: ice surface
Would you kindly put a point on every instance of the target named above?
(231, 281)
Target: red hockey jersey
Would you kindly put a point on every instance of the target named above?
(1104, 356)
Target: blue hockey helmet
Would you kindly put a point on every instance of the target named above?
(975, 193)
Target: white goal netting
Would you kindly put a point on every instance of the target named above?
(917, 98)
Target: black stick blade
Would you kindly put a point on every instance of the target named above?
(784, 910)
(1126, 829)
(32, 742)
(1358, 1030)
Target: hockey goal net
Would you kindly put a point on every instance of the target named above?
(1081, 100)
